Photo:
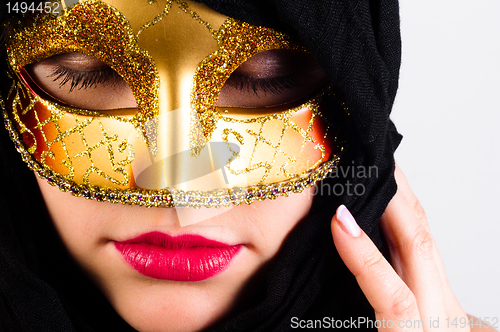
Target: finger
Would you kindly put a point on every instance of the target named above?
(389, 296)
(414, 253)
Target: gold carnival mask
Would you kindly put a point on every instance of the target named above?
(176, 146)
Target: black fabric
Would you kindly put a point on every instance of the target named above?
(358, 44)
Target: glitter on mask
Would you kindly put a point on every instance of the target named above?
(89, 154)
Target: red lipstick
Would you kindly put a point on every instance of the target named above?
(182, 258)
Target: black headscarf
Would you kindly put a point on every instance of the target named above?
(357, 42)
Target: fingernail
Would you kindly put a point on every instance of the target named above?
(347, 222)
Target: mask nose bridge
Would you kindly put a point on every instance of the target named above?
(174, 123)
(177, 43)
(173, 164)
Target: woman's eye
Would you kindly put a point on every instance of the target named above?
(81, 81)
(267, 79)
(272, 78)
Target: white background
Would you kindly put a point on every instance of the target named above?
(448, 109)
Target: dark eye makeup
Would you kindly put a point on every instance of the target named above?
(83, 79)
(272, 78)
(267, 79)
(78, 80)
(273, 85)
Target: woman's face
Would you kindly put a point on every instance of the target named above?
(248, 236)
(170, 268)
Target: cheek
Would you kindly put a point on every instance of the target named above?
(80, 223)
(68, 220)
(86, 227)
(273, 220)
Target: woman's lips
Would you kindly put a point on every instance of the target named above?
(183, 258)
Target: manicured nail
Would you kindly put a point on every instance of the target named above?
(347, 222)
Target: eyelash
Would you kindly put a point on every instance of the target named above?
(274, 85)
(88, 79)
(83, 79)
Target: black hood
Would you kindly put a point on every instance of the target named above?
(358, 45)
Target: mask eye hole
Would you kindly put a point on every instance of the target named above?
(80, 81)
(272, 78)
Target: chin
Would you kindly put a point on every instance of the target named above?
(150, 304)
(161, 276)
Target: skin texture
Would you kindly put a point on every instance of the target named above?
(415, 287)
(88, 229)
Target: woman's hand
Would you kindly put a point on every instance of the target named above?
(413, 294)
